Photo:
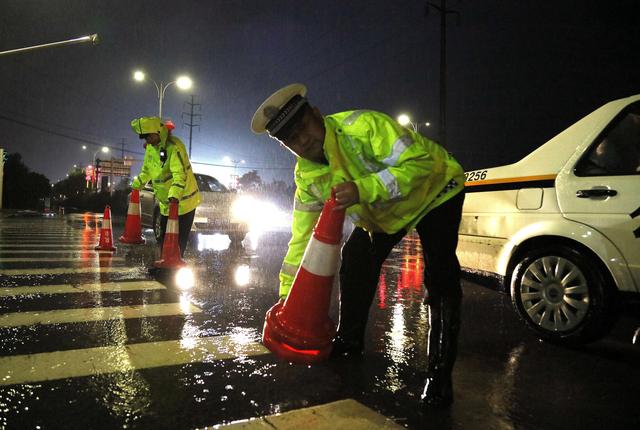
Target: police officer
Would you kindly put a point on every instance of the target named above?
(390, 180)
(167, 166)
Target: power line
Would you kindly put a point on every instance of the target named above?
(59, 134)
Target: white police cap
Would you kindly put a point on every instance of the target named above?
(274, 113)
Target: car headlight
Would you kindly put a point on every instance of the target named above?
(242, 208)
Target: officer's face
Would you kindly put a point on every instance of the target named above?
(152, 139)
(307, 137)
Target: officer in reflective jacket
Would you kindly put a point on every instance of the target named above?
(390, 180)
(167, 166)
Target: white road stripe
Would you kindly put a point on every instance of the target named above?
(65, 270)
(48, 366)
(63, 316)
(81, 288)
(46, 245)
(59, 259)
(54, 251)
(343, 414)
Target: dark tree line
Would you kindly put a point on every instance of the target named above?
(22, 188)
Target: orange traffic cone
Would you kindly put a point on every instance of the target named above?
(170, 246)
(300, 330)
(132, 226)
(106, 238)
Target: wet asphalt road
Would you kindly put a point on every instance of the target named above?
(504, 378)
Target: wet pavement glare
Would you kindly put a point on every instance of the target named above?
(101, 343)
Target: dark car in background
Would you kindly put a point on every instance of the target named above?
(221, 210)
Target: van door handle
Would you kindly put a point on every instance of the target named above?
(596, 192)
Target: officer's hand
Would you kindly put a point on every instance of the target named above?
(346, 195)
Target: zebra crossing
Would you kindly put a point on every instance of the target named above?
(70, 315)
(26, 249)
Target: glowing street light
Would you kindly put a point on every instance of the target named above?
(104, 150)
(182, 82)
(405, 121)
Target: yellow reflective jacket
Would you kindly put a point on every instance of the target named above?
(400, 176)
(170, 178)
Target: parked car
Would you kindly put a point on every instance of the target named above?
(221, 210)
(561, 227)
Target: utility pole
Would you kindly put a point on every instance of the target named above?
(443, 11)
(192, 118)
(2, 156)
(122, 143)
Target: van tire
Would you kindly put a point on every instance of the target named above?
(562, 295)
(237, 236)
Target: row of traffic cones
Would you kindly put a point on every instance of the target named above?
(297, 330)
(170, 258)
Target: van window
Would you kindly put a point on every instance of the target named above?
(210, 184)
(617, 151)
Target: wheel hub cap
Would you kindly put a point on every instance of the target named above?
(554, 294)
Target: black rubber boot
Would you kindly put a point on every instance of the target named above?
(349, 340)
(444, 321)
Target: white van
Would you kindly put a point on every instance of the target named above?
(561, 227)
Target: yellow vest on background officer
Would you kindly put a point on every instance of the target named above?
(166, 164)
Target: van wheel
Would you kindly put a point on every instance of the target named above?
(562, 296)
(237, 236)
(156, 224)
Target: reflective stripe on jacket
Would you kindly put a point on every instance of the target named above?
(400, 176)
(172, 178)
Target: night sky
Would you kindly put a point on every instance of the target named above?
(519, 72)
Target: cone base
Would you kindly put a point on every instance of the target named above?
(132, 240)
(169, 264)
(104, 248)
(289, 353)
(289, 345)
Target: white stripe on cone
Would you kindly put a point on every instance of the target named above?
(134, 209)
(172, 226)
(320, 258)
(106, 225)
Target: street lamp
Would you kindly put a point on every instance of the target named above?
(228, 160)
(104, 149)
(405, 121)
(182, 82)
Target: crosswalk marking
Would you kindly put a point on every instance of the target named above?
(343, 414)
(60, 233)
(53, 251)
(46, 245)
(81, 288)
(62, 316)
(21, 369)
(54, 259)
(65, 270)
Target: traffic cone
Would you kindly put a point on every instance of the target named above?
(106, 237)
(132, 226)
(299, 329)
(171, 246)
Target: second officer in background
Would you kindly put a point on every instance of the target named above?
(167, 166)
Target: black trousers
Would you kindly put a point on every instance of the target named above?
(363, 255)
(185, 221)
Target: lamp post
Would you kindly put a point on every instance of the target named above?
(105, 150)
(92, 38)
(228, 160)
(405, 121)
(182, 82)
